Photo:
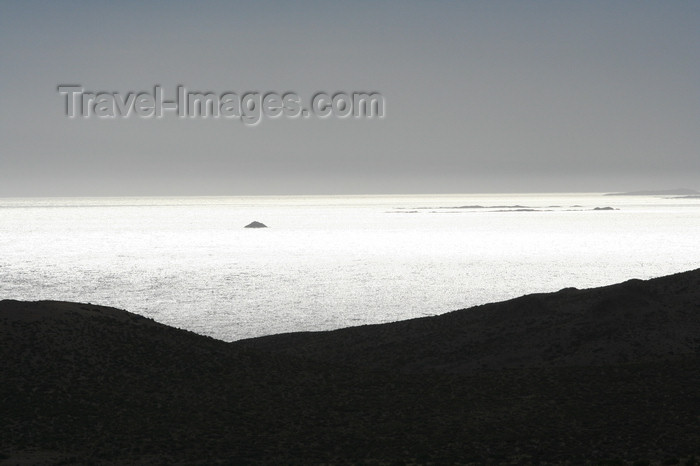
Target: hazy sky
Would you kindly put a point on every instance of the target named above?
(488, 96)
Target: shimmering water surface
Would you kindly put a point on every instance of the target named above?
(330, 262)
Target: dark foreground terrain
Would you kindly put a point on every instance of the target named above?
(607, 375)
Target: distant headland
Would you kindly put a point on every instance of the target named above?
(662, 192)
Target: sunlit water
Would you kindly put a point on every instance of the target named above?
(330, 262)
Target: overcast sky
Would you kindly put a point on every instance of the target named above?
(487, 96)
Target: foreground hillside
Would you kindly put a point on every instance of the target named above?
(607, 374)
(632, 322)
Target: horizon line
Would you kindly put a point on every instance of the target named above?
(367, 194)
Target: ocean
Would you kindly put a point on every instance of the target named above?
(327, 262)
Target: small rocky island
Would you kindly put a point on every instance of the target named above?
(255, 224)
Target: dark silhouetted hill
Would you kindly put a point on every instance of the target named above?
(632, 322)
(607, 374)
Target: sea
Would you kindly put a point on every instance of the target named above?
(327, 262)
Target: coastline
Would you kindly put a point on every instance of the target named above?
(574, 376)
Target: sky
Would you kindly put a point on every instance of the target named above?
(488, 96)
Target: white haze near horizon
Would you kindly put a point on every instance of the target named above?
(327, 262)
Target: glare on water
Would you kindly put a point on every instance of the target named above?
(334, 261)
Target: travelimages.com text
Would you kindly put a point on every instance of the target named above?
(248, 107)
